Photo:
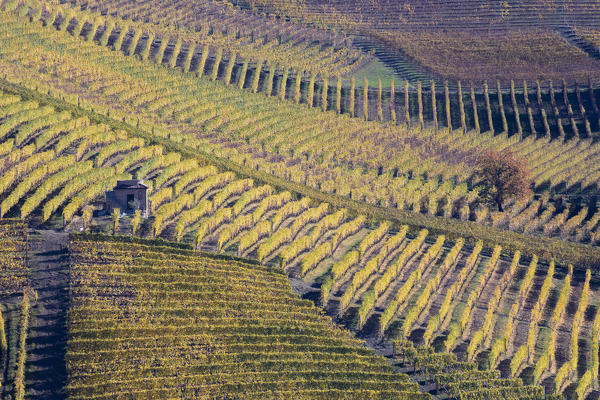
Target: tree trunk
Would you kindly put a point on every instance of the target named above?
(499, 203)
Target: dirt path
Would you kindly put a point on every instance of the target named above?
(46, 343)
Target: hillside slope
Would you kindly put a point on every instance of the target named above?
(149, 322)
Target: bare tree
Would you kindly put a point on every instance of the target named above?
(502, 175)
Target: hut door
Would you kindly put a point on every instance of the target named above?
(130, 200)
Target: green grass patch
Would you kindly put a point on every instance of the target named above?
(374, 70)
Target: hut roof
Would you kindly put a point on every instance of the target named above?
(130, 184)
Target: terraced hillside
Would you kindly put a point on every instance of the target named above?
(453, 14)
(219, 210)
(590, 37)
(123, 291)
(150, 321)
(103, 270)
(329, 155)
(487, 307)
(276, 75)
(46, 148)
(490, 308)
(500, 54)
(394, 181)
(203, 33)
(259, 222)
(258, 145)
(277, 72)
(437, 35)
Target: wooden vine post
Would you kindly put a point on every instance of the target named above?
(434, 106)
(351, 106)
(379, 101)
(393, 102)
(461, 107)
(365, 99)
(406, 104)
(447, 98)
(202, 63)
(242, 79)
(513, 99)
(501, 106)
(420, 104)
(338, 95)
(297, 86)
(256, 77)
(324, 92)
(283, 86)
(475, 113)
(488, 108)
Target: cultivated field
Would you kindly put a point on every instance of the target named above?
(502, 54)
(150, 321)
(382, 174)
(386, 14)
(473, 40)
(297, 158)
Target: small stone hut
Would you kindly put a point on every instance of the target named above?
(128, 196)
